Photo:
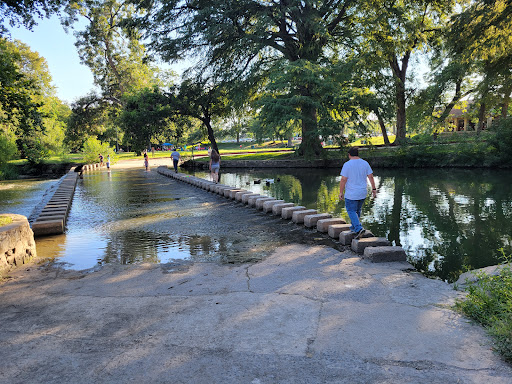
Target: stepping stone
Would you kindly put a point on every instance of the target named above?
(50, 227)
(334, 230)
(276, 209)
(287, 213)
(246, 197)
(346, 237)
(323, 224)
(359, 245)
(258, 203)
(251, 201)
(312, 220)
(268, 205)
(238, 195)
(228, 191)
(383, 254)
(233, 193)
(298, 216)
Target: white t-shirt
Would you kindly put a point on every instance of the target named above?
(356, 171)
(175, 155)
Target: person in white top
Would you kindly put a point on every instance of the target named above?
(353, 188)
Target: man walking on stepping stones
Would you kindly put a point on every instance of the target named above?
(353, 188)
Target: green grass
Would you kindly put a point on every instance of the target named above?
(379, 140)
(4, 220)
(489, 302)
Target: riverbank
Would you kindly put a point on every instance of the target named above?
(304, 314)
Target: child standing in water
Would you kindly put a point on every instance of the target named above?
(215, 166)
(146, 161)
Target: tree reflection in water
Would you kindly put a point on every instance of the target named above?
(447, 220)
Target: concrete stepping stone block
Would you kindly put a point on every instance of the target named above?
(383, 254)
(346, 237)
(233, 193)
(287, 213)
(245, 198)
(268, 205)
(50, 227)
(239, 195)
(298, 216)
(323, 224)
(251, 201)
(230, 192)
(258, 203)
(359, 245)
(277, 209)
(312, 220)
(334, 230)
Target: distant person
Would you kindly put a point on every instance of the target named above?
(101, 159)
(209, 151)
(214, 166)
(108, 162)
(353, 188)
(153, 151)
(175, 156)
(146, 161)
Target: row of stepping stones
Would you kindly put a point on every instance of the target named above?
(375, 249)
(53, 217)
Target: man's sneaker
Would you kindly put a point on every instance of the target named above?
(360, 233)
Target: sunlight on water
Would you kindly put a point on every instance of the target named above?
(446, 220)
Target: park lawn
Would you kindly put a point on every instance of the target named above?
(378, 140)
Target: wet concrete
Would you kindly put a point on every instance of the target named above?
(305, 313)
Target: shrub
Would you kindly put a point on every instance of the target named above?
(93, 147)
(489, 301)
(501, 140)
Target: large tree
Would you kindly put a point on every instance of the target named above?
(245, 38)
(393, 32)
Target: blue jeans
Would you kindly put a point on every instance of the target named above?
(175, 163)
(353, 208)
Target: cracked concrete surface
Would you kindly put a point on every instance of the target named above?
(305, 314)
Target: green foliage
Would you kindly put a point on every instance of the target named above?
(20, 96)
(93, 147)
(7, 150)
(489, 301)
(17, 13)
(502, 141)
(146, 114)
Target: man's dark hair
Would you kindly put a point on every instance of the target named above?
(353, 151)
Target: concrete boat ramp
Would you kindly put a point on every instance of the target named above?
(304, 314)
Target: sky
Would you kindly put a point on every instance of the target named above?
(71, 79)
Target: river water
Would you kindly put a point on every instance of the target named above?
(446, 220)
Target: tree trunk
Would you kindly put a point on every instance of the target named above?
(481, 117)
(211, 136)
(506, 102)
(400, 113)
(382, 127)
(290, 142)
(310, 146)
(399, 75)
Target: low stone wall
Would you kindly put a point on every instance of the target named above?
(53, 217)
(267, 164)
(17, 245)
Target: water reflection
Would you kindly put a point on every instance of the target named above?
(447, 220)
(133, 216)
(22, 196)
